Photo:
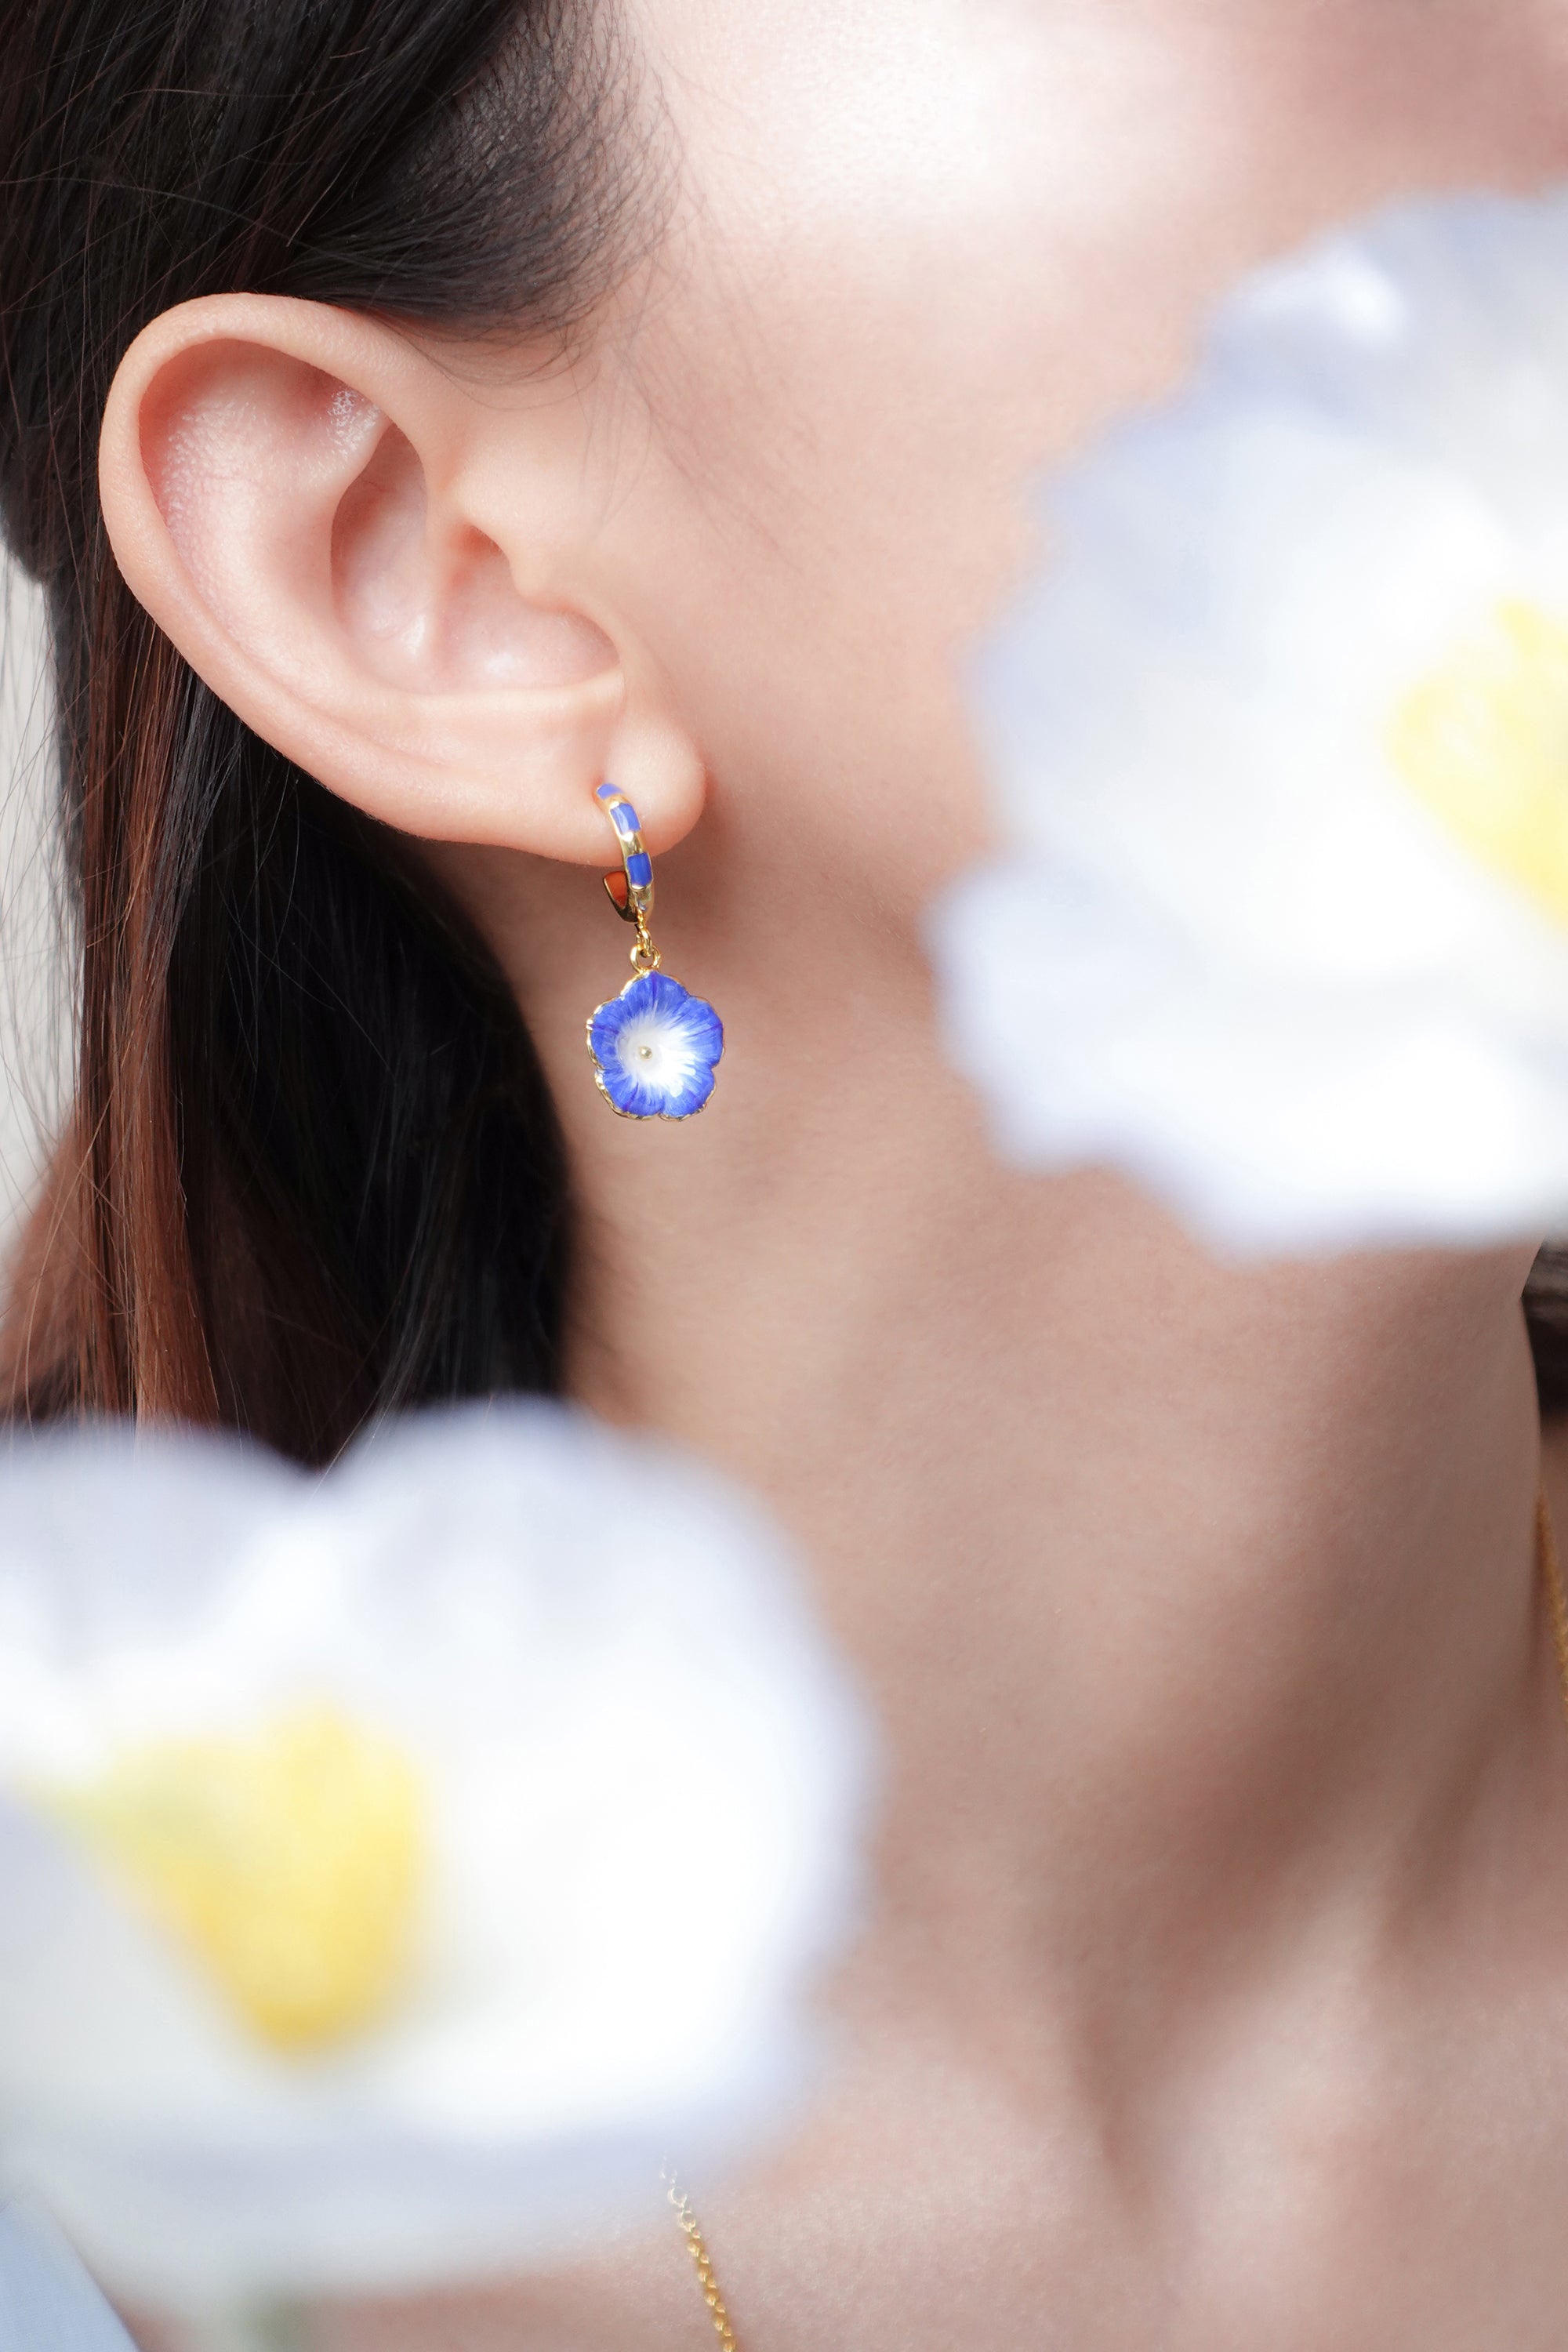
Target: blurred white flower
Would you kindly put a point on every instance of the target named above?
(394, 1867)
(1279, 736)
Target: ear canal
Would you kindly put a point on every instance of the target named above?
(441, 611)
(492, 636)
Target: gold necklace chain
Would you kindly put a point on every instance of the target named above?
(697, 2245)
(1550, 1569)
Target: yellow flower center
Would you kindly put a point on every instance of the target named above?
(288, 1861)
(1484, 743)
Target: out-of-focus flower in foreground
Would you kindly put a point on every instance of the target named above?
(394, 1867)
(1279, 736)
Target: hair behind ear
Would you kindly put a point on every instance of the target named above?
(314, 1171)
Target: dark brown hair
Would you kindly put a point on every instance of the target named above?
(313, 1171)
(1546, 1312)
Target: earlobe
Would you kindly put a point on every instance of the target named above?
(283, 487)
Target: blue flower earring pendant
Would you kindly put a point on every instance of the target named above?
(656, 1048)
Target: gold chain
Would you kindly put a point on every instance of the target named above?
(645, 957)
(1557, 1597)
(698, 2247)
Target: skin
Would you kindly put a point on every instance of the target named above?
(1215, 1995)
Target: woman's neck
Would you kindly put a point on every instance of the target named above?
(1197, 1602)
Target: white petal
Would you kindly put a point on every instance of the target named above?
(1256, 970)
(648, 1780)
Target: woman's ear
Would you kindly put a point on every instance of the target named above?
(388, 577)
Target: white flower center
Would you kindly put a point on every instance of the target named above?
(657, 1052)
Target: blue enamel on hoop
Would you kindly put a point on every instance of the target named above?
(631, 890)
(656, 1046)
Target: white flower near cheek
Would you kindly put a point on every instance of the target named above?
(394, 1868)
(1280, 742)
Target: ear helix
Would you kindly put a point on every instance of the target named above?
(656, 1048)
